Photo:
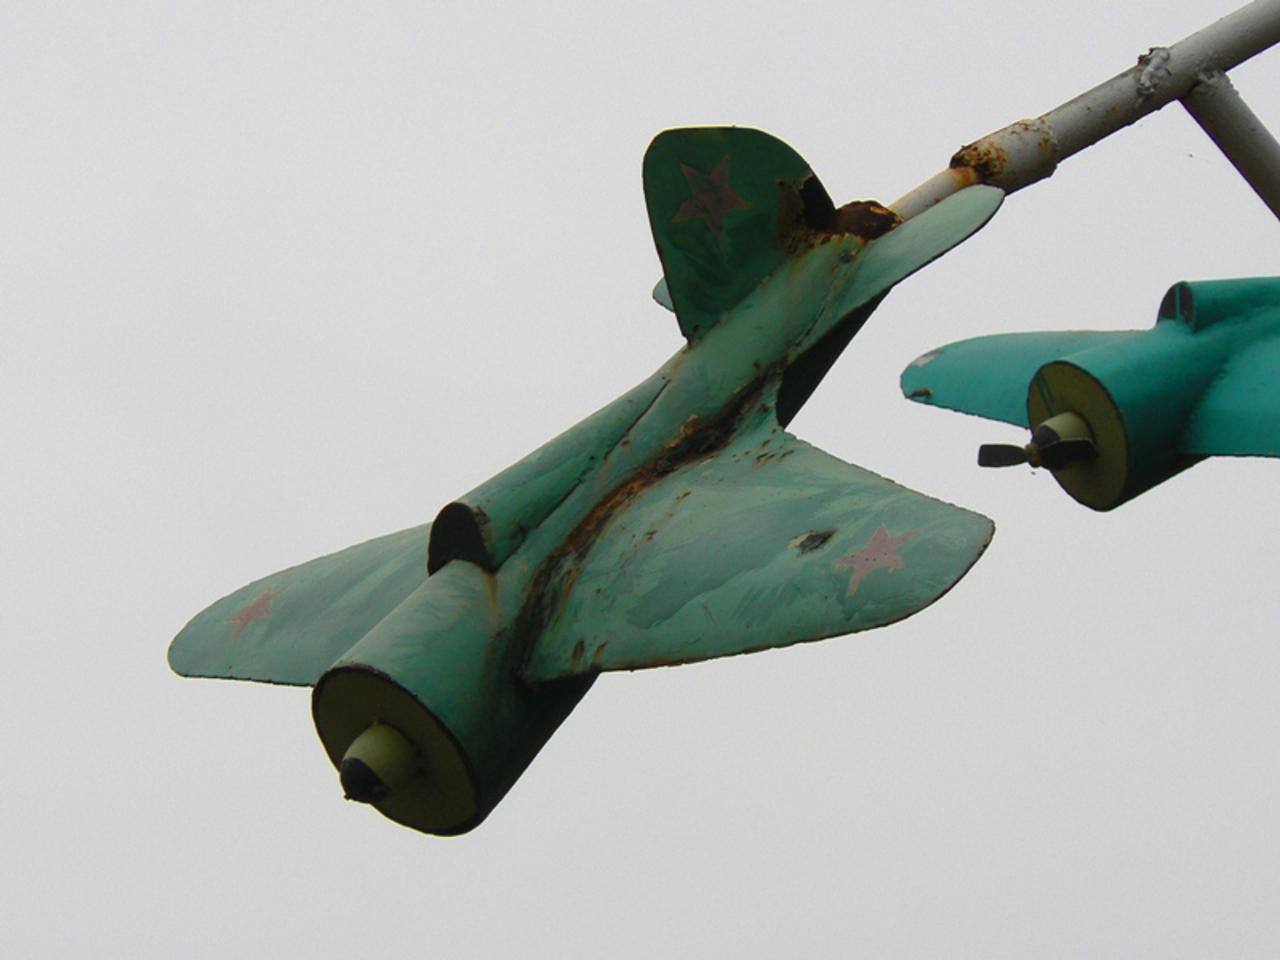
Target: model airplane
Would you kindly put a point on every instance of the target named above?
(681, 522)
(1114, 413)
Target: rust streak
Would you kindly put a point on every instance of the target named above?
(986, 158)
(863, 218)
(807, 217)
(698, 438)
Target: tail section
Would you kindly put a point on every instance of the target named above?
(726, 205)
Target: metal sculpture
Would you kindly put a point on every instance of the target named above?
(681, 522)
(1116, 412)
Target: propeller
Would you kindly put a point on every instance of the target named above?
(1003, 455)
(1057, 443)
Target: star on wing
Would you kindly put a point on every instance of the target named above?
(711, 197)
(259, 609)
(880, 552)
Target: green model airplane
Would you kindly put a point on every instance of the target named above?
(1114, 413)
(681, 522)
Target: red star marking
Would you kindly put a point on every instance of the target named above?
(711, 197)
(260, 609)
(882, 551)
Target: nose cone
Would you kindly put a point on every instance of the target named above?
(360, 782)
(378, 762)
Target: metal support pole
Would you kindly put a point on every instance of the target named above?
(1029, 150)
(1238, 132)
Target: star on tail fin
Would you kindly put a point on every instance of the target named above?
(727, 206)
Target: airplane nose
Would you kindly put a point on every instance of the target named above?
(360, 783)
(378, 762)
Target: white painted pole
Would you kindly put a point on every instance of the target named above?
(1239, 134)
(1030, 150)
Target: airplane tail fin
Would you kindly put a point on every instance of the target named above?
(727, 207)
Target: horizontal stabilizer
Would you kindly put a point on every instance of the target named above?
(289, 627)
(767, 543)
(891, 258)
(989, 376)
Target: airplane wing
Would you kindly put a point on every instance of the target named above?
(766, 543)
(291, 626)
(1239, 414)
(989, 376)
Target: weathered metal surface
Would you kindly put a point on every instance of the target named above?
(289, 627)
(1027, 151)
(487, 524)
(473, 668)
(1012, 158)
(733, 214)
(732, 376)
(1204, 381)
(763, 543)
(442, 669)
(945, 183)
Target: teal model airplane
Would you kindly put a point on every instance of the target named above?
(681, 522)
(1114, 413)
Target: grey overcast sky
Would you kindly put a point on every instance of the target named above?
(281, 277)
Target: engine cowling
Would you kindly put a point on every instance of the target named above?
(426, 717)
(1135, 397)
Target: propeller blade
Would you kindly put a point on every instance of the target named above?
(1001, 455)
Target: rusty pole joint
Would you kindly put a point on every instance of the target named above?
(1029, 150)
